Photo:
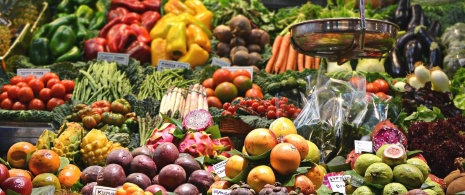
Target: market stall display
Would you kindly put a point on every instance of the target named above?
(231, 97)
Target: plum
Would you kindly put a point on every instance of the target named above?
(21, 185)
(90, 173)
(111, 175)
(186, 189)
(155, 180)
(143, 164)
(143, 150)
(88, 188)
(188, 163)
(122, 157)
(202, 180)
(166, 153)
(139, 179)
(155, 188)
(171, 176)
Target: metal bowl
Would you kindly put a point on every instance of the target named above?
(333, 38)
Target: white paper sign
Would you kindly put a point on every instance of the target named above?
(338, 183)
(220, 62)
(363, 146)
(219, 168)
(100, 190)
(220, 192)
(119, 58)
(234, 68)
(168, 64)
(24, 72)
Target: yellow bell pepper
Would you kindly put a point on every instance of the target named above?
(158, 51)
(196, 35)
(190, 19)
(176, 44)
(196, 5)
(177, 7)
(160, 30)
(206, 18)
(196, 56)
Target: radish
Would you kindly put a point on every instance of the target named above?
(439, 80)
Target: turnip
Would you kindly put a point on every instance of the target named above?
(422, 73)
(413, 81)
(400, 86)
(439, 80)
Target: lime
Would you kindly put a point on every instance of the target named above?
(313, 153)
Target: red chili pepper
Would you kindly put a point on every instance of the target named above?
(152, 5)
(149, 19)
(132, 5)
(141, 33)
(118, 37)
(93, 46)
(140, 51)
(116, 13)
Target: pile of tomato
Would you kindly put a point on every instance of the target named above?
(270, 108)
(32, 93)
(378, 87)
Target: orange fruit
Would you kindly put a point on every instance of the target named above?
(20, 173)
(221, 75)
(213, 101)
(259, 176)
(235, 165)
(299, 142)
(44, 161)
(285, 158)
(69, 175)
(209, 92)
(242, 83)
(255, 86)
(242, 72)
(208, 83)
(17, 154)
(259, 141)
(316, 175)
(254, 93)
(226, 91)
(304, 184)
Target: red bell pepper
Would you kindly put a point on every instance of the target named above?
(149, 19)
(93, 46)
(140, 51)
(132, 5)
(118, 37)
(116, 13)
(130, 18)
(152, 5)
(141, 33)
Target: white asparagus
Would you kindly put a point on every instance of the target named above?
(183, 102)
(172, 100)
(168, 100)
(188, 101)
(205, 101)
(163, 101)
(177, 102)
(201, 96)
(194, 97)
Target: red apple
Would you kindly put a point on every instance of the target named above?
(4, 174)
(2, 192)
(21, 185)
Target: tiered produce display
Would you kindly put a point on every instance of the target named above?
(193, 97)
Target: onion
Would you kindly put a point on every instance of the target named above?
(413, 81)
(422, 73)
(400, 86)
(439, 80)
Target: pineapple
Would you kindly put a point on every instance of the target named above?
(5, 35)
(68, 142)
(95, 148)
(46, 138)
(22, 13)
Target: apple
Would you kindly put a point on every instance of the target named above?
(21, 185)
(4, 174)
(2, 192)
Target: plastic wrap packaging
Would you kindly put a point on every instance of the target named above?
(454, 40)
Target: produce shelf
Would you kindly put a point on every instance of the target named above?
(12, 132)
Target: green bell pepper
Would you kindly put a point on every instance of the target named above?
(62, 41)
(55, 24)
(98, 21)
(65, 6)
(85, 13)
(41, 32)
(71, 56)
(100, 6)
(38, 51)
(81, 31)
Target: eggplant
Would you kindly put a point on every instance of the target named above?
(404, 39)
(436, 57)
(418, 17)
(412, 54)
(402, 14)
(394, 64)
(425, 40)
(434, 29)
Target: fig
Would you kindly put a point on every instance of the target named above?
(88, 188)
(139, 179)
(379, 173)
(122, 157)
(111, 175)
(166, 153)
(202, 180)
(155, 188)
(143, 164)
(171, 176)
(143, 150)
(90, 174)
(408, 175)
(394, 155)
(186, 189)
(364, 161)
(189, 164)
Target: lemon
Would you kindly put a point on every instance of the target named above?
(282, 127)
(313, 153)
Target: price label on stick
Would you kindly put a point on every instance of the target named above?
(168, 64)
(24, 72)
(220, 62)
(338, 183)
(219, 168)
(100, 190)
(119, 58)
(220, 192)
(363, 146)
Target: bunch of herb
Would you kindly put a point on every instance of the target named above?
(288, 16)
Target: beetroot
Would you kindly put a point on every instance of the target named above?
(197, 120)
(161, 135)
(387, 133)
(197, 144)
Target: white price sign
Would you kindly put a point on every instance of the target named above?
(100, 190)
(220, 192)
(363, 146)
(24, 72)
(219, 168)
(338, 183)
(234, 68)
(168, 64)
(119, 58)
(220, 62)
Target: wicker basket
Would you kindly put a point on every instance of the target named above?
(234, 126)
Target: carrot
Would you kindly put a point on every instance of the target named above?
(317, 63)
(283, 66)
(292, 58)
(274, 53)
(283, 52)
(300, 61)
(308, 62)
